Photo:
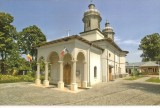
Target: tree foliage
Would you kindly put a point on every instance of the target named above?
(8, 35)
(150, 46)
(14, 44)
(30, 37)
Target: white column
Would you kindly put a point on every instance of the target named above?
(74, 86)
(84, 84)
(46, 82)
(61, 83)
(38, 81)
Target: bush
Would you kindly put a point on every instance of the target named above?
(20, 78)
(135, 73)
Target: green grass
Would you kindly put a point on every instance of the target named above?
(133, 78)
(154, 79)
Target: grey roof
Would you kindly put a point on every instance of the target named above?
(135, 64)
(142, 64)
(150, 63)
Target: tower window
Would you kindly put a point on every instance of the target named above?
(95, 71)
(88, 23)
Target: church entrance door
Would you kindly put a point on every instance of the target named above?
(110, 73)
(67, 74)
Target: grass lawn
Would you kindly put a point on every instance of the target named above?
(154, 79)
(133, 78)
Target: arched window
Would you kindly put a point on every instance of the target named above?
(95, 71)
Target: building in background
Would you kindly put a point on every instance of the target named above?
(150, 67)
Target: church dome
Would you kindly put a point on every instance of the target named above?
(107, 28)
(108, 31)
(91, 18)
(92, 11)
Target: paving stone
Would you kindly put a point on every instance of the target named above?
(118, 92)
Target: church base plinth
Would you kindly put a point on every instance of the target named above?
(84, 84)
(61, 85)
(38, 82)
(74, 87)
(46, 83)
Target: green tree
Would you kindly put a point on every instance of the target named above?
(30, 37)
(150, 46)
(8, 34)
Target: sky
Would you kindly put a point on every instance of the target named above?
(131, 20)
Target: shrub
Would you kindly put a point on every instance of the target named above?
(135, 73)
(20, 78)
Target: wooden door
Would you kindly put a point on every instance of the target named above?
(110, 74)
(67, 74)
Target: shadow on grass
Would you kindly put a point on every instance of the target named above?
(152, 88)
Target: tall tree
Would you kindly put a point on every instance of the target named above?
(29, 38)
(150, 45)
(8, 35)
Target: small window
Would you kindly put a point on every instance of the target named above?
(88, 23)
(109, 55)
(95, 72)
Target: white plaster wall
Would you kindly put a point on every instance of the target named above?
(92, 35)
(46, 50)
(122, 64)
(95, 60)
(54, 75)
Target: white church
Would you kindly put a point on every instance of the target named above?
(82, 60)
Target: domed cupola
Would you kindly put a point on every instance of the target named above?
(108, 31)
(91, 18)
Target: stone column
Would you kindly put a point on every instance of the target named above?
(84, 84)
(38, 81)
(46, 82)
(61, 83)
(74, 86)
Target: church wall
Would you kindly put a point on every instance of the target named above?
(46, 50)
(92, 35)
(122, 64)
(103, 66)
(95, 61)
(54, 75)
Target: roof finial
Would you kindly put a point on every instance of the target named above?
(107, 23)
(68, 30)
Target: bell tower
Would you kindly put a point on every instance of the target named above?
(108, 31)
(91, 18)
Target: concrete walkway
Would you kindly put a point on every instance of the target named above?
(118, 92)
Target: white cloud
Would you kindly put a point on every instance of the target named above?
(138, 52)
(131, 42)
(127, 42)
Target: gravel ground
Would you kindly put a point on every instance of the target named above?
(118, 92)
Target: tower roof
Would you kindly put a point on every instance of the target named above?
(107, 28)
(91, 10)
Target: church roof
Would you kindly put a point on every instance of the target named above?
(70, 38)
(112, 43)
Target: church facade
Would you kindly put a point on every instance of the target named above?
(82, 60)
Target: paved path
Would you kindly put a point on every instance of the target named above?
(118, 92)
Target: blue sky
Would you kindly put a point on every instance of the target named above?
(130, 19)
